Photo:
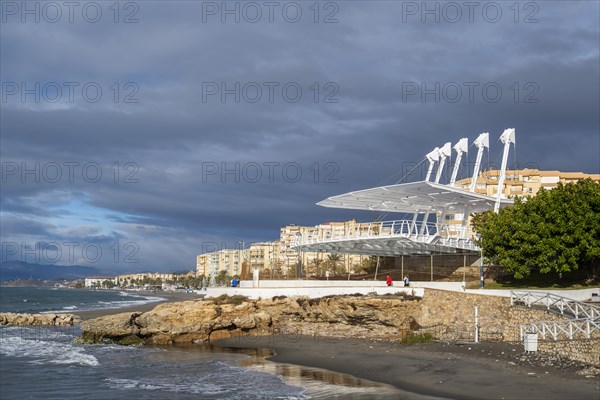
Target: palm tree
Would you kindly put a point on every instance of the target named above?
(333, 260)
(314, 265)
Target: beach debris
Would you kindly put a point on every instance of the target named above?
(589, 372)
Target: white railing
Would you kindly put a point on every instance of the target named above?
(415, 230)
(459, 243)
(555, 303)
(570, 328)
(586, 316)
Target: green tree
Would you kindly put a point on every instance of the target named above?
(222, 277)
(109, 284)
(557, 231)
(314, 266)
(368, 264)
(333, 261)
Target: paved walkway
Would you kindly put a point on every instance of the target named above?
(313, 289)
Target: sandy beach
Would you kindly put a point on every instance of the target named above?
(169, 297)
(489, 370)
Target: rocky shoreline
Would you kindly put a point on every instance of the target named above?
(385, 317)
(357, 335)
(50, 319)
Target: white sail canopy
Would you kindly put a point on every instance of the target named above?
(414, 197)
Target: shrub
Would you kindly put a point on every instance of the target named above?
(414, 338)
(235, 300)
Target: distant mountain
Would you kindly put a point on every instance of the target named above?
(11, 270)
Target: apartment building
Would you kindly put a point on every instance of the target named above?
(264, 255)
(98, 281)
(277, 258)
(230, 260)
(525, 182)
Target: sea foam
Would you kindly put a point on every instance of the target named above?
(220, 381)
(22, 343)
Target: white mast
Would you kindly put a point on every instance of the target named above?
(482, 141)
(507, 138)
(445, 152)
(461, 147)
(432, 157)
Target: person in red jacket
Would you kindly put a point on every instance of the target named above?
(388, 280)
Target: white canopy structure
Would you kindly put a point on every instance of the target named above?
(414, 197)
(417, 235)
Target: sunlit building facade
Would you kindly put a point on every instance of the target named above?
(277, 259)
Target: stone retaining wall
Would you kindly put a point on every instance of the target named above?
(584, 350)
(451, 316)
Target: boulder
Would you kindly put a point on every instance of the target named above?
(202, 321)
(51, 319)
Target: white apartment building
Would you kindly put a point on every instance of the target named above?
(277, 258)
(230, 260)
(97, 281)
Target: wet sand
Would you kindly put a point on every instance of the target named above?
(490, 370)
(472, 371)
(169, 297)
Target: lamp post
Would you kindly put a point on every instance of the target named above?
(481, 280)
(241, 258)
(299, 271)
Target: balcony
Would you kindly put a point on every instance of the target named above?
(418, 236)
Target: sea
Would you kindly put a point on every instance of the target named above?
(45, 363)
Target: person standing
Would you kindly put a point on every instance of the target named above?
(388, 280)
(406, 281)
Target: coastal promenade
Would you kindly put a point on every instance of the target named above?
(317, 288)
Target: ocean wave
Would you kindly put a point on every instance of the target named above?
(45, 351)
(37, 332)
(148, 299)
(128, 303)
(222, 381)
(114, 304)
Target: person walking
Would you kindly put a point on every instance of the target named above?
(406, 281)
(388, 280)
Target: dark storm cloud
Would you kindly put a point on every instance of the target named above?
(374, 133)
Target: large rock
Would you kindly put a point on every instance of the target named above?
(118, 328)
(184, 322)
(205, 320)
(38, 319)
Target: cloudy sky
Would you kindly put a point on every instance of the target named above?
(155, 130)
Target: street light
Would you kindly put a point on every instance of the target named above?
(299, 271)
(241, 259)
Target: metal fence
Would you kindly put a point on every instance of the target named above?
(584, 324)
(572, 329)
(554, 303)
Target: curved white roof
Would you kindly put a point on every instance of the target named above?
(414, 197)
